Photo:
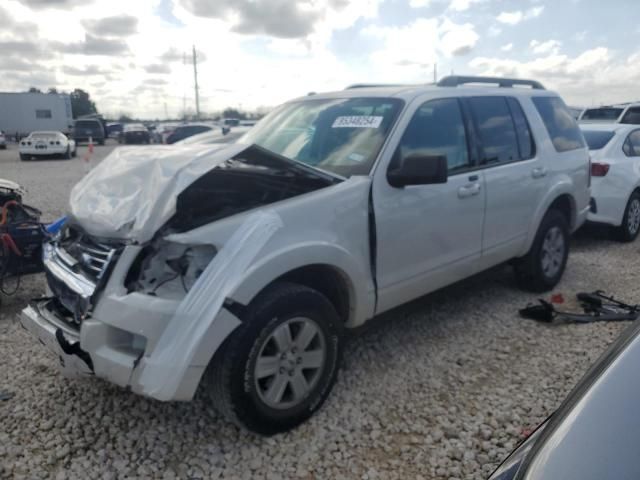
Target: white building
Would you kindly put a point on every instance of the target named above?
(24, 113)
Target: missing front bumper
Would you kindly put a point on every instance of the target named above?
(58, 337)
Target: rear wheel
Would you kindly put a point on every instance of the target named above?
(542, 267)
(279, 366)
(628, 231)
(67, 155)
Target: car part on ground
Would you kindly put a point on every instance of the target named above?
(347, 176)
(597, 307)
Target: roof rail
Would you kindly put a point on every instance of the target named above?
(374, 85)
(455, 81)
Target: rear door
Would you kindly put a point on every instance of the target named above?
(515, 176)
(429, 235)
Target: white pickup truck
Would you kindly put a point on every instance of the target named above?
(238, 267)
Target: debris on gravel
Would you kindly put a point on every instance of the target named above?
(442, 388)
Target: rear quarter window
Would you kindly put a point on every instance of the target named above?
(560, 124)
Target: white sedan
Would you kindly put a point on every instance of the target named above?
(41, 144)
(615, 174)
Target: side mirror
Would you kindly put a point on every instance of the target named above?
(419, 170)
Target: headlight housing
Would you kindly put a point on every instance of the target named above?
(168, 269)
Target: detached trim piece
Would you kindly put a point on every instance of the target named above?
(456, 81)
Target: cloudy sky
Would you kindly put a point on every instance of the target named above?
(129, 54)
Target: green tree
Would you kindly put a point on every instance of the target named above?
(81, 103)
(34, 90)
(53, 90)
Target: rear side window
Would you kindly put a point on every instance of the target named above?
(597, 140)
(525, 139)
(632, 116)
(560, 124)
(602, 113)
(631, 145)
(496, 130)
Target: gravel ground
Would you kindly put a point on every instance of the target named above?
(442, 388)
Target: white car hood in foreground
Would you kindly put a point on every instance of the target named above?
(133, 191)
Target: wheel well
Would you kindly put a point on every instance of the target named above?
(565, 205)
(326, 280)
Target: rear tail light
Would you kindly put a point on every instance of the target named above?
(599, 169)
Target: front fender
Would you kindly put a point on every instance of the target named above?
(278, 263)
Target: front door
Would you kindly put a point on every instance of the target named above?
(428, 235)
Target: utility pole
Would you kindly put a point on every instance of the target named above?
(166, 113)
(435, 73)
(195, 77)
(184, 91)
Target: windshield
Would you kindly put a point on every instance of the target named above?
(342, 136)
(603, 113)
(597, 139)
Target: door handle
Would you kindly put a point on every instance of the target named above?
(469, 190)
(539, 172)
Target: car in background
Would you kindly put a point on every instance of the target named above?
(222, 135)
(89, 129)
(615, 177)
(46, 144)
(135, 134)
(162, 131)
(595, 433)
(184, 131)
(3, 140)
(114, 130)
(620, 113)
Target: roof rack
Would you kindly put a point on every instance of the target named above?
(375, 85)
(455, 81)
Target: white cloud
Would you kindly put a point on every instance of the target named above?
(515, 17)
(507, 48)
(462, 5)
(419, 3)
(543, 48)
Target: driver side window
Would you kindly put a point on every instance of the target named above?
(436, 129)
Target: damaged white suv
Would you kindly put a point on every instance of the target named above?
(238, 267)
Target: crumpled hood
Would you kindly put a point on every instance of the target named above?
(133, 191)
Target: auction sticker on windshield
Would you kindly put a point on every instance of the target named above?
(358, 121)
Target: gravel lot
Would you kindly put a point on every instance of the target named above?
(442, 388)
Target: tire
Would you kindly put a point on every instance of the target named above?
(628, 231)
(24, 157)
(67, 155)
(542, 267)
(253, 400)
(3, 147)
(74, 154)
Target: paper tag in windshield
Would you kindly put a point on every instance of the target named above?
(358, 121)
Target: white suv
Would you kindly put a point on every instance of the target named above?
(243, 264)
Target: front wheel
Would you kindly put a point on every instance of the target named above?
(24, 157)
(628, 231)
(279, 366)
(542, 267)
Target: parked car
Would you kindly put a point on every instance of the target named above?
(615, 172)
(594, 434)
(248, 261)
(46, 144)
(221, 135)
(114, 130)
(89, 128)
(621, 113)
(3, 141)
(184, 131)
(135, 134)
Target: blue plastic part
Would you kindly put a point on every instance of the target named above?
(55, 227)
